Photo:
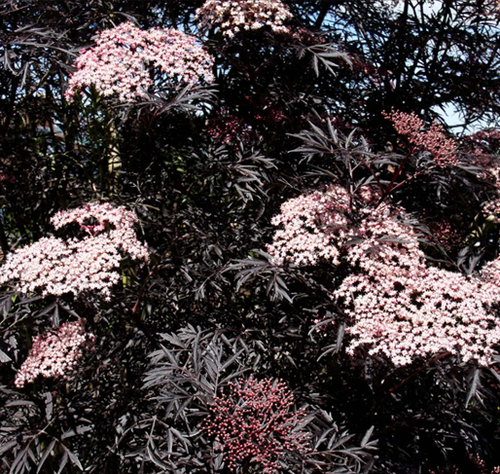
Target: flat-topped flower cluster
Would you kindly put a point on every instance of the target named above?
(233, 17)
(54, 266)
(397, 305)
(127, 63)
(310, 228)
(55, 354)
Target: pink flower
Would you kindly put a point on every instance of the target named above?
(311, 228)
(397, 305)
(233, 17)
(55, 266)
(127, 62)
(55, 354)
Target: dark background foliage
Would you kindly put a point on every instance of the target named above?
(205, 202)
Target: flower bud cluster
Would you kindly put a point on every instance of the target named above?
(55, 354)
(229, 129)
(398, 306)
(127, 62)
(477, 462)
(55, 266)
(443, 149)
(232, 17)
(253, 422)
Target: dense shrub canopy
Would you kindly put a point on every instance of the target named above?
(253, 236)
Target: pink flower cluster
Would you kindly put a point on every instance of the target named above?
(55, 266)
(420, 312)
(382, 241)
(311, 228)
(232, 17)
(117, 221)
(443, 149)
(398, 306)
(127, 62)
(492, 209)
(55, 354)
(254, 423)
